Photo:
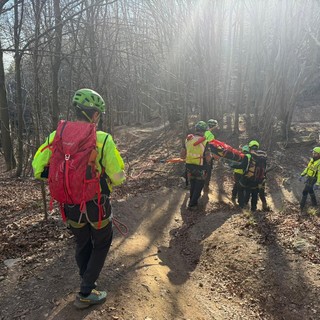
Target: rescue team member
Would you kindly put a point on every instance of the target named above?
(259, 154)
(93, 242)
(240, 169)
(197, 155)
(238, 173)
(312, 173)
(212, 125)
(209, 135)
(254, 169)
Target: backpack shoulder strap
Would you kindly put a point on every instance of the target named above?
(49, 144)
(103, 183)
(102, 151)
(249, 160)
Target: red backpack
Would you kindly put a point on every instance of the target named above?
(73, 177)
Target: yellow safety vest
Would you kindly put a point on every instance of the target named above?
(195, 153)
(313, 169)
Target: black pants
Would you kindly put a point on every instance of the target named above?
(235, 189)
(246, 190)
(196, 176)
(262, 195)
(308, 189)
(92, 244)
(253, 193)
(208, 175)
(196, 186)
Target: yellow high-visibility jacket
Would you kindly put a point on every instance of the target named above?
(313, 170)
(244, 165)
(209, 135)
(195, 151)
(112, 162)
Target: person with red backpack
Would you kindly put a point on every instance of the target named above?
(82, 165)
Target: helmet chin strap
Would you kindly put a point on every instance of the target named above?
(94, 119)
(85, 114)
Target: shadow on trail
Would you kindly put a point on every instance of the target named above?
(71, 313)
(45, 288)
(185, 247)
(283, 279)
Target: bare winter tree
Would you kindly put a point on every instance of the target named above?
(180, 61)
(4, 118)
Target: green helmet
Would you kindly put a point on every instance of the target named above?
(201, 126)
(212, 123)
(316, 150)
(245, 149)
(254, 143)
(87, 98)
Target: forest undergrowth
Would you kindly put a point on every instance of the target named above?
(215, 263)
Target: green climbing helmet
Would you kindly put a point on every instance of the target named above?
(212, 123)
(246, 149)
(87, 98)
(254, 143)
(316, 150)
(201, 126)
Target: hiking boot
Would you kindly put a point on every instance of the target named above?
(192, 207)
(95, 297)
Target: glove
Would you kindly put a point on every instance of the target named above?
(316, 187)
(300, 178)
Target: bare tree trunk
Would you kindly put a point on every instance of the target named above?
(240, 70)
(36, 95)
(228, 68)
(4, 118)
(56, 63)
(17, 62)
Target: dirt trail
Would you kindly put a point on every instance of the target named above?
(164, 269)
(145, 274)
(213, 263)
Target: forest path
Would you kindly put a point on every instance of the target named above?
(213, 263)
(148, 273)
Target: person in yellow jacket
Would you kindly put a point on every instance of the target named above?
(238, 173)
(197, 155)
(312, 174)
(209, 135)
(212, 125)
(93, 243)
